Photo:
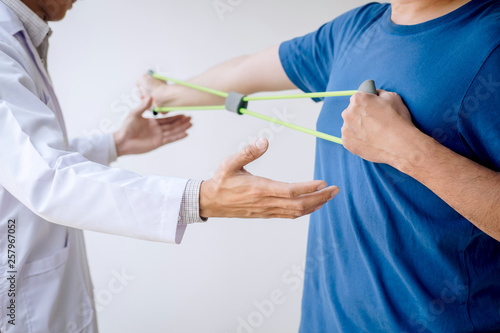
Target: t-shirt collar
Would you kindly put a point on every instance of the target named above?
(425, 26)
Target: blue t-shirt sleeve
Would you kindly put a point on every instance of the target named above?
(479, 117)
(307, 60)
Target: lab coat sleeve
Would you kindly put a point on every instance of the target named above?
(38, 167)
(97, 147)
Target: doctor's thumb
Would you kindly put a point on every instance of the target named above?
(249, 154)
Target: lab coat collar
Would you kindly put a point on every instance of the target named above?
(37, 29)
(9, 20)
(13, 25)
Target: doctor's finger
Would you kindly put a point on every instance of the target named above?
(173, 119)
(267, 213)
(288, 215)
(172, 138)
(305, 202)
(176, 128)
(168, 129)
(175, 124)
(292, 190)
(292, 214)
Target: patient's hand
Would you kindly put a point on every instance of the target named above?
(150, 87)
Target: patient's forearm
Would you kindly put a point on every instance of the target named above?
(471, 189)
(246, 74)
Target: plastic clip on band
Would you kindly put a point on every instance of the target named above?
(235, 102)
(238, 103)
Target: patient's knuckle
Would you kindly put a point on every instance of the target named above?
(344, 114)
(356, 99)
(348, 114)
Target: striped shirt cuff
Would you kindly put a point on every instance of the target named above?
(190, 206)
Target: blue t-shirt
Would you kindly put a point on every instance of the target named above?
(387, 254)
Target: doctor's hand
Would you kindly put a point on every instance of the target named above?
(234, 192)
(140, 135)
(378, 128)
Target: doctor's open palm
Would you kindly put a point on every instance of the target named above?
(234, 192)
(140, 135)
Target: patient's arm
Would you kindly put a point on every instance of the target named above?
(246, 74)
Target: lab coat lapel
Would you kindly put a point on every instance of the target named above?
(14, 26)
(48, 85)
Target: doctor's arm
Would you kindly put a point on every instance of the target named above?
(40, 170)
(380, 129)
(66, 188)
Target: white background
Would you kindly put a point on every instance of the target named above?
(210, 282)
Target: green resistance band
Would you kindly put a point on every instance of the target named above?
(238, 103)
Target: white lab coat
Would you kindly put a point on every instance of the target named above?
(53, 189)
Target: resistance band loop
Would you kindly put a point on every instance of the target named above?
(367, 86)
(190, 108)
(293, 126)
(296, 96)
(190, 85)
